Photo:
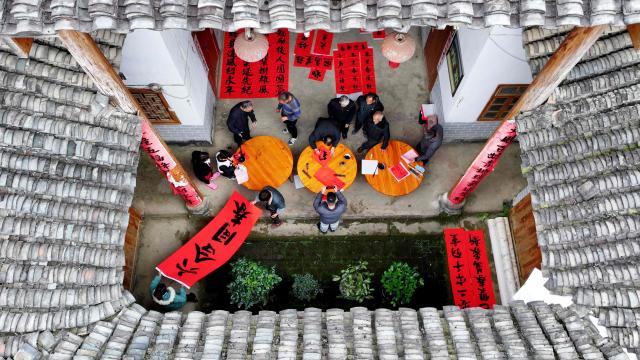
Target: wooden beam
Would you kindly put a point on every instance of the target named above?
(572, 49)
(87, 54)
(19, 46)
(634, 32)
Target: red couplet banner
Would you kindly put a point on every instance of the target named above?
(469, 272)
(214, 245)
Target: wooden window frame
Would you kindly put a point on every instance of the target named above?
(510, 101)
(172, 120)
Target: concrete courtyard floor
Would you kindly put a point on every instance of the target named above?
(167, 224)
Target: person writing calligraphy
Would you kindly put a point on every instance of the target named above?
(273, 201)
(376, 129)
(167, 297)
(238, 121)
(431, 139)
(367, 105)
(290, 111)
(224, 160)
(326, 130)
(342, 110)
(202, 168)
(330, 210)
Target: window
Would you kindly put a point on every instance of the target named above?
(454, 64)
(155, 106)
(501, 102)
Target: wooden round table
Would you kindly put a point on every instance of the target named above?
(269, 162)
(383, 181)
(337, 163)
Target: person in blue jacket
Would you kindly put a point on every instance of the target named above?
(166, 295)
(290, 111)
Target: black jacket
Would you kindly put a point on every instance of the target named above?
(343, 115)
(430, 142)
(238, 120)
(324, 127)
(365, 110)
(201, 169)
(378, 132)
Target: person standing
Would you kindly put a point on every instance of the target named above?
(367, 105)
(202, 168)
(330, 210)
(273, 201)
(290, 111)
(166, 295)
(431, 140)
(376, 129)
(326, 130)
(238, 121)
(342, 110)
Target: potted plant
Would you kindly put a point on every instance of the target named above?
(355, 282)
(252, 283)
(399, 283)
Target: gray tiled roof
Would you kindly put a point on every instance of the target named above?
(581, 159)
(519, 331)
(47, 16)
(68, 165)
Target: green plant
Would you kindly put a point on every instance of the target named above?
(251, 283)
(355, 282)
(399, 283)
(305, 287)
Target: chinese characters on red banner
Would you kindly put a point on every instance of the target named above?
(261, 79)
(354, 68)
(214, 245)
(320, 60)
(485, 162)
(469, 272)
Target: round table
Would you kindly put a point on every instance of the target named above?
(338, 163)
(383, 181)
(269, 162)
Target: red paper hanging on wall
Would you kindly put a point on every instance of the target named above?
(214, 245)
(469, 272)
(261, 79)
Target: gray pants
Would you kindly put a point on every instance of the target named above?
(325, 227)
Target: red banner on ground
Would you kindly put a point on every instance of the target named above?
(323, 43)
(323, 62)
(317, 74)
(261, 79)
(469, 272)
(354, 68)
(214, 245)
(303, 44)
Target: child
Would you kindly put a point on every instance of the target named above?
(225, 164)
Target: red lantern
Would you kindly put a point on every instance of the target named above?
(398, 48)
(251, 47)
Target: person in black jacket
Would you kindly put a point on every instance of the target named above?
(367, 105)
(376, 129)
(238, 121)
(203, 170)
(342, 110)
(431, 140)
(327, 131)
(225, 164)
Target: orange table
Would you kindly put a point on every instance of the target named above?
(383, 181)
(269, 162)
(338, 163)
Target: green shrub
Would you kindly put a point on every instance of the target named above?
(355, 282)
(305, 287)
(399, 283)
(251, 283)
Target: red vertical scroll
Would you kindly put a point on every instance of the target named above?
(214, 245)
(261, 79)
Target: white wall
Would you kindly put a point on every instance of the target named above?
(489, 57)
(170, 58)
